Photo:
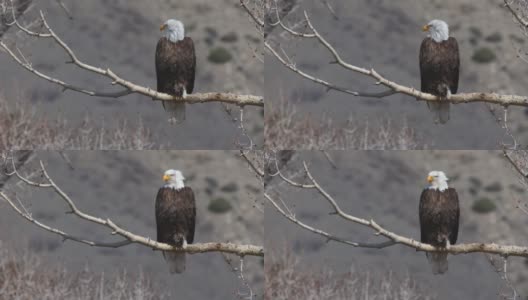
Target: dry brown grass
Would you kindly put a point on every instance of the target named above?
(25, 277)
(21, 128)
(286, 129)
(288, 278)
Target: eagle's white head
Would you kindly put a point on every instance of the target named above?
(173, 179)
(437, 180)
(173, 30)
(438, 30)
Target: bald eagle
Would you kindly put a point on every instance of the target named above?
(175, 67)
(439, 67)
(175, 217)
(439, 213)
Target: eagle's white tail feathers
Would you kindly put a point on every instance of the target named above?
(176, 111)
(438, 261)
(440, 111)
(176, 262)
(442, 114)
(441, 108)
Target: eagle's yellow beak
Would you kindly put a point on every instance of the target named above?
(425, 28)
(429, 179)
(166, 177)
(162, 27)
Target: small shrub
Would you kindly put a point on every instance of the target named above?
(494, 187)
(230, 187)
(517, 189)
(483, 206)
(475, 32)
(210, 36)
(212, 182)
(516, 38)
(494, 37)
(219, 206)
(219, 55)
(483, 55)
(475, 181)
(230, 37)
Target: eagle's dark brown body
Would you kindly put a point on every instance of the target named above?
(439, 213)
(175, 215)
(175, 220)
(439, 66)
(175, 66)
(439, 70)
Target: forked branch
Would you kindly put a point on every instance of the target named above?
(390, 238)
(127, 236)
(392, 87)
(128, 86)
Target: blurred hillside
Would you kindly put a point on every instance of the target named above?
(122, 36)
(385, 186)
(386, 36)
(122, 186)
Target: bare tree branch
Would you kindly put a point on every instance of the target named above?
(501, 267)
(252, 164)
(9, 11)
(129, 87)
(129, 237)
(252, 13)
(515, 13)
(391, 238)
(18, 160)
(393, 87)
(519, 166)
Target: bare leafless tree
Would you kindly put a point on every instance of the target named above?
(10, 11)
(40, 179)
(304, 179)
(392, 87)
(22, 128)
(127, 236)
(40, 29)
(289, 278)
(286, 128)
(301, 28)
(127, 86)
(24, 275)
